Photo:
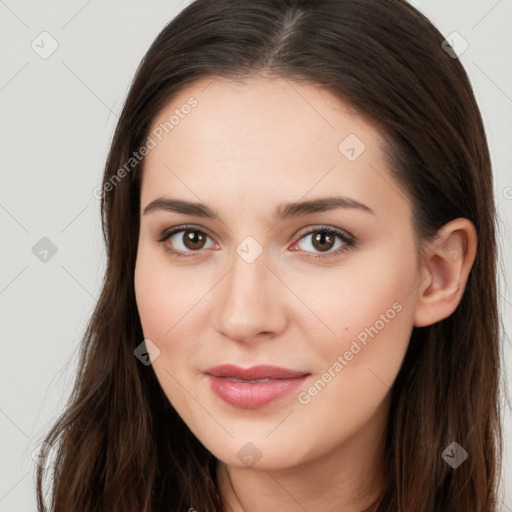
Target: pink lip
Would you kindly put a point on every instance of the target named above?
(249, 395)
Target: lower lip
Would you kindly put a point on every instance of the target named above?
(251, 396)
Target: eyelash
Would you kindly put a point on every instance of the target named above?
(348, 240)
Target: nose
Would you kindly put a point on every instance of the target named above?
(250, 302)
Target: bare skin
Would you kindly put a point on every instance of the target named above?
(245, 149)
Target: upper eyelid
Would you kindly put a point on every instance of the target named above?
(321, 227)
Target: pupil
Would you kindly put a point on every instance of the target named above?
(194, 238)
(320, 240)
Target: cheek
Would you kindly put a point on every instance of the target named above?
(355, 370)
(363, 313)
(162, 303)
(171, 304)
(165, 296)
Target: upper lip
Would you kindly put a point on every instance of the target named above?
(254, 372)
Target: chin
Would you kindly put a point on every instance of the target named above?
(262, 455)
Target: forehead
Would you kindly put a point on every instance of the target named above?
(270, 110)
(262, 135)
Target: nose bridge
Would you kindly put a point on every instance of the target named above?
(249, 301)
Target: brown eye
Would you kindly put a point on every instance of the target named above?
(323, 241)
(185, 242)
(193, 239)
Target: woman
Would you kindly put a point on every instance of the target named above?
(299, 309)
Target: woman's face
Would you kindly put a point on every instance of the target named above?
(261, 282)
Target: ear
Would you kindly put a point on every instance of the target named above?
(444, 272)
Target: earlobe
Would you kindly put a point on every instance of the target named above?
(449, 259)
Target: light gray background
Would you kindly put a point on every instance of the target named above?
(57, 119)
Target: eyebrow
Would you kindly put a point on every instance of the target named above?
(283, 212)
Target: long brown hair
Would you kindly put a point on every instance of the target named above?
(119, 444)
